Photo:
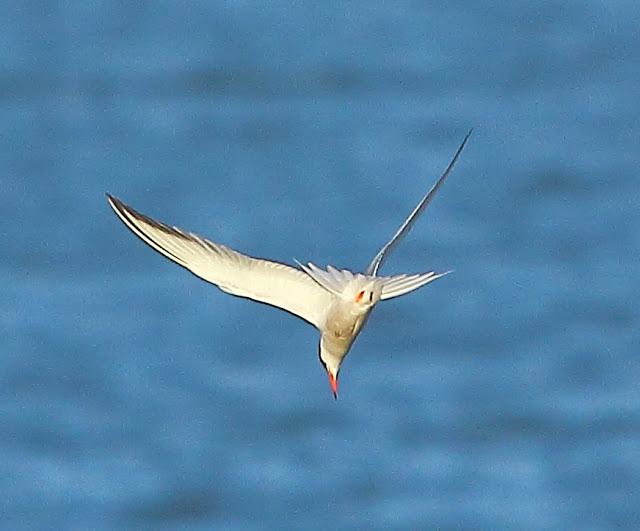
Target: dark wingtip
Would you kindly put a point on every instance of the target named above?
(112, 200)
(466, 137)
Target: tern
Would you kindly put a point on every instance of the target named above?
(336, 301)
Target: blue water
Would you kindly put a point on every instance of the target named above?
(507, 395)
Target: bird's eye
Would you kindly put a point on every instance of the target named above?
(370, 296)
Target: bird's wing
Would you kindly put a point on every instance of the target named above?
(333, 280)
(408, 223)
(401, 284)
(261, 280)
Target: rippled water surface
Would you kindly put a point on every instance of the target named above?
(133, 395)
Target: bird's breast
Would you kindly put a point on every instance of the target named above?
(341, 328)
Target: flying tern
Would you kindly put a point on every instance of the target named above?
(336, 301)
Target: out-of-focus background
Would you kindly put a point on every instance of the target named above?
(133, 395)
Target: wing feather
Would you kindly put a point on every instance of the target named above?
(409, 222)
(333, 280)
(402, 284)
(261, 280)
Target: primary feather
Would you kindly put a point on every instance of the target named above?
(409, 222)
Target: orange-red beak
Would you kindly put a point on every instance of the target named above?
(333, 382)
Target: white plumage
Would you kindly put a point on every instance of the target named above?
(336, 302)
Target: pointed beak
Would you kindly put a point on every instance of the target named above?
(333, 382)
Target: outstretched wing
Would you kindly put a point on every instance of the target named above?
(401, 284)
(261, 280)
(408, 223)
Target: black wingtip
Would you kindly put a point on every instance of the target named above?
(112, 200)
(464, 141)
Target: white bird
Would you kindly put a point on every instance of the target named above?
(336, 302)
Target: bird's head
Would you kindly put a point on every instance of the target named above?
(364, 292)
